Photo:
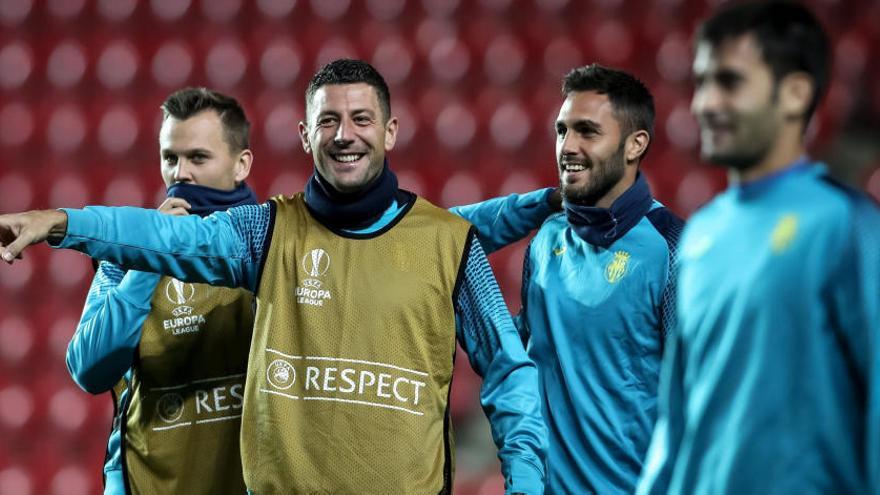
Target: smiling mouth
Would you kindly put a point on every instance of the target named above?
(573, 167)
(347, 157)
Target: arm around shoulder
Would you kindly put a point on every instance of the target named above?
(505, 220)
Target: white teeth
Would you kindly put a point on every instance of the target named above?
(346, 158)
(573, 168)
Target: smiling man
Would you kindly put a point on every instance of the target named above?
(772, 377)
(597, 285)
(362, 291)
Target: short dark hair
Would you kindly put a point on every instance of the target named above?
(790, 38)
(348, 71)
(632, 102)
(187, 102)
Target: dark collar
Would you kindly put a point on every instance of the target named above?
(206, 200)
(602, 226)
(352, 211)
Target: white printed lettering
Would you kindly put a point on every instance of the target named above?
(394, 389)
(202, 401)
(235, 392)
(363, 382)
(418, 385)
(384, 383)
(346, 377)
(218, 399)
(328, 379)
(312, 377)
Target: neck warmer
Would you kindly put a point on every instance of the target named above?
(351, 211)
(206, 200)
(602, 226)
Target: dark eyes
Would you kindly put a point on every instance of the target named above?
(332, 121)
(172, 160)
(583, 131)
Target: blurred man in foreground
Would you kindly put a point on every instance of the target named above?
(770, 384)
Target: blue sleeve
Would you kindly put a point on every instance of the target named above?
(521, 320)
(509, 394)
(225, 248)
(102, 347)
(669, 429)
(856, 311)
(670, 228)
(503, 221)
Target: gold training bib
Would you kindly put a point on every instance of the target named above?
(349, 374)
(182, 427)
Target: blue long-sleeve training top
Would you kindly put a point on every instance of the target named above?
(770, 383)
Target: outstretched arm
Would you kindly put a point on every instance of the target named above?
(222, 249)
(505, 220)
(509, 394)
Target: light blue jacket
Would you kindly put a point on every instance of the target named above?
(772, 382)
(595, 317)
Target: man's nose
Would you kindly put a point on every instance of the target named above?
(706, 99)
(183, 172)
(344, 133)
(569, 144)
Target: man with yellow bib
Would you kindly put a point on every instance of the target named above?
(174, 354)
(362, 290)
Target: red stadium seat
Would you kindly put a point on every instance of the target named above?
(16, 479)
(276, 9)
(16, 64)
(172, 64)
(67, 64)
(386, 10)
(116, 10)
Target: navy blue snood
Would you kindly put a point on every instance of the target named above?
(602, 226)
(206, 200)
(351, 211)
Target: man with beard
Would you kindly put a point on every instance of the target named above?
(597, 285)
(770, 383)
(160, 344)
(141, 334)
(362, 291)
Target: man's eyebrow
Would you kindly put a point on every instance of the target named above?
(723, 76)
(188, 151)
(590, 125)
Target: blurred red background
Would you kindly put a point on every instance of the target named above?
(475, 84)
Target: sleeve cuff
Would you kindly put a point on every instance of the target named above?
(79, 224)
(525, 478)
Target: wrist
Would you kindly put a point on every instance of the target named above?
(58, 228)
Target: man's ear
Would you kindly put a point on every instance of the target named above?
(243, 165)
(796, 92)
(304, 137)
(636, 145)
(390, 133)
